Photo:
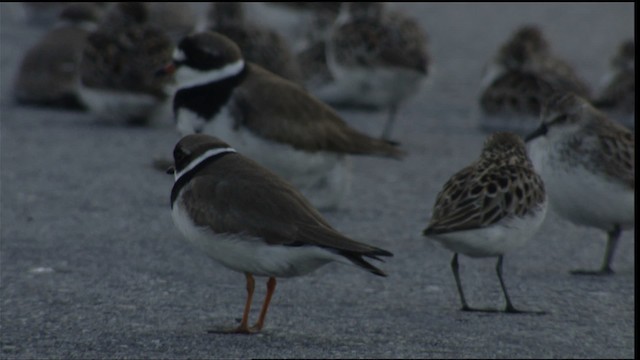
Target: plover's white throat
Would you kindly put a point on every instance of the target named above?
(377, 59)
(268, 118)
(250, 220)
(517, 81)
(588, 164)
(490, 207)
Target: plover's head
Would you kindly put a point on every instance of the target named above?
(193, 149)
(562, 113)
(204, 58)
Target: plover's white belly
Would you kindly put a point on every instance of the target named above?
(586, 198)
(250, 254)
(119, 106)
(323, 177)
(496, 239)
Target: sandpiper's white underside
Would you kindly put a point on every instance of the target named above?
(250, 254)
(494, 240)
(579, 194)
(323, 177)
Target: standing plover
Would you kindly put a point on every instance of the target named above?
(517, 81)
(490, 207)
(251, 221)
(588, 164)
(377, 59)
(268, 118)
(618, 96)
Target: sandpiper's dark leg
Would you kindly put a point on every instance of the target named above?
(456, 274)
(612, 242)
(271, 288)
(510, 308)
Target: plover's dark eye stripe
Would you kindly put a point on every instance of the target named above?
(197, 161)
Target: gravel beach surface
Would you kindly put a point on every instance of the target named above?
(92, 266)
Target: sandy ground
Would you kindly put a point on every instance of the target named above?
(93, 267)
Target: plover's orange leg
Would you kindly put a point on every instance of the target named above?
(244, 324)
(271, 288)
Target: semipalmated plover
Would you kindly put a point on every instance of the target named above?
(490, 207)
(269, 119)
(118, 81)
(250, 220)
(588, 165)
(377, 59)
(258, 44)
(49, 71)
(517, 81)
(618, 95)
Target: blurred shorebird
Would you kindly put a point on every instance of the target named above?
(378, 59)
(49, 71)
(517, 81)
(118, 82)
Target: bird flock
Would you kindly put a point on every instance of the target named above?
(263, 149)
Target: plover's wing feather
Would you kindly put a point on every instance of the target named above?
(476, 198)
(249, 199)
(297, 118)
